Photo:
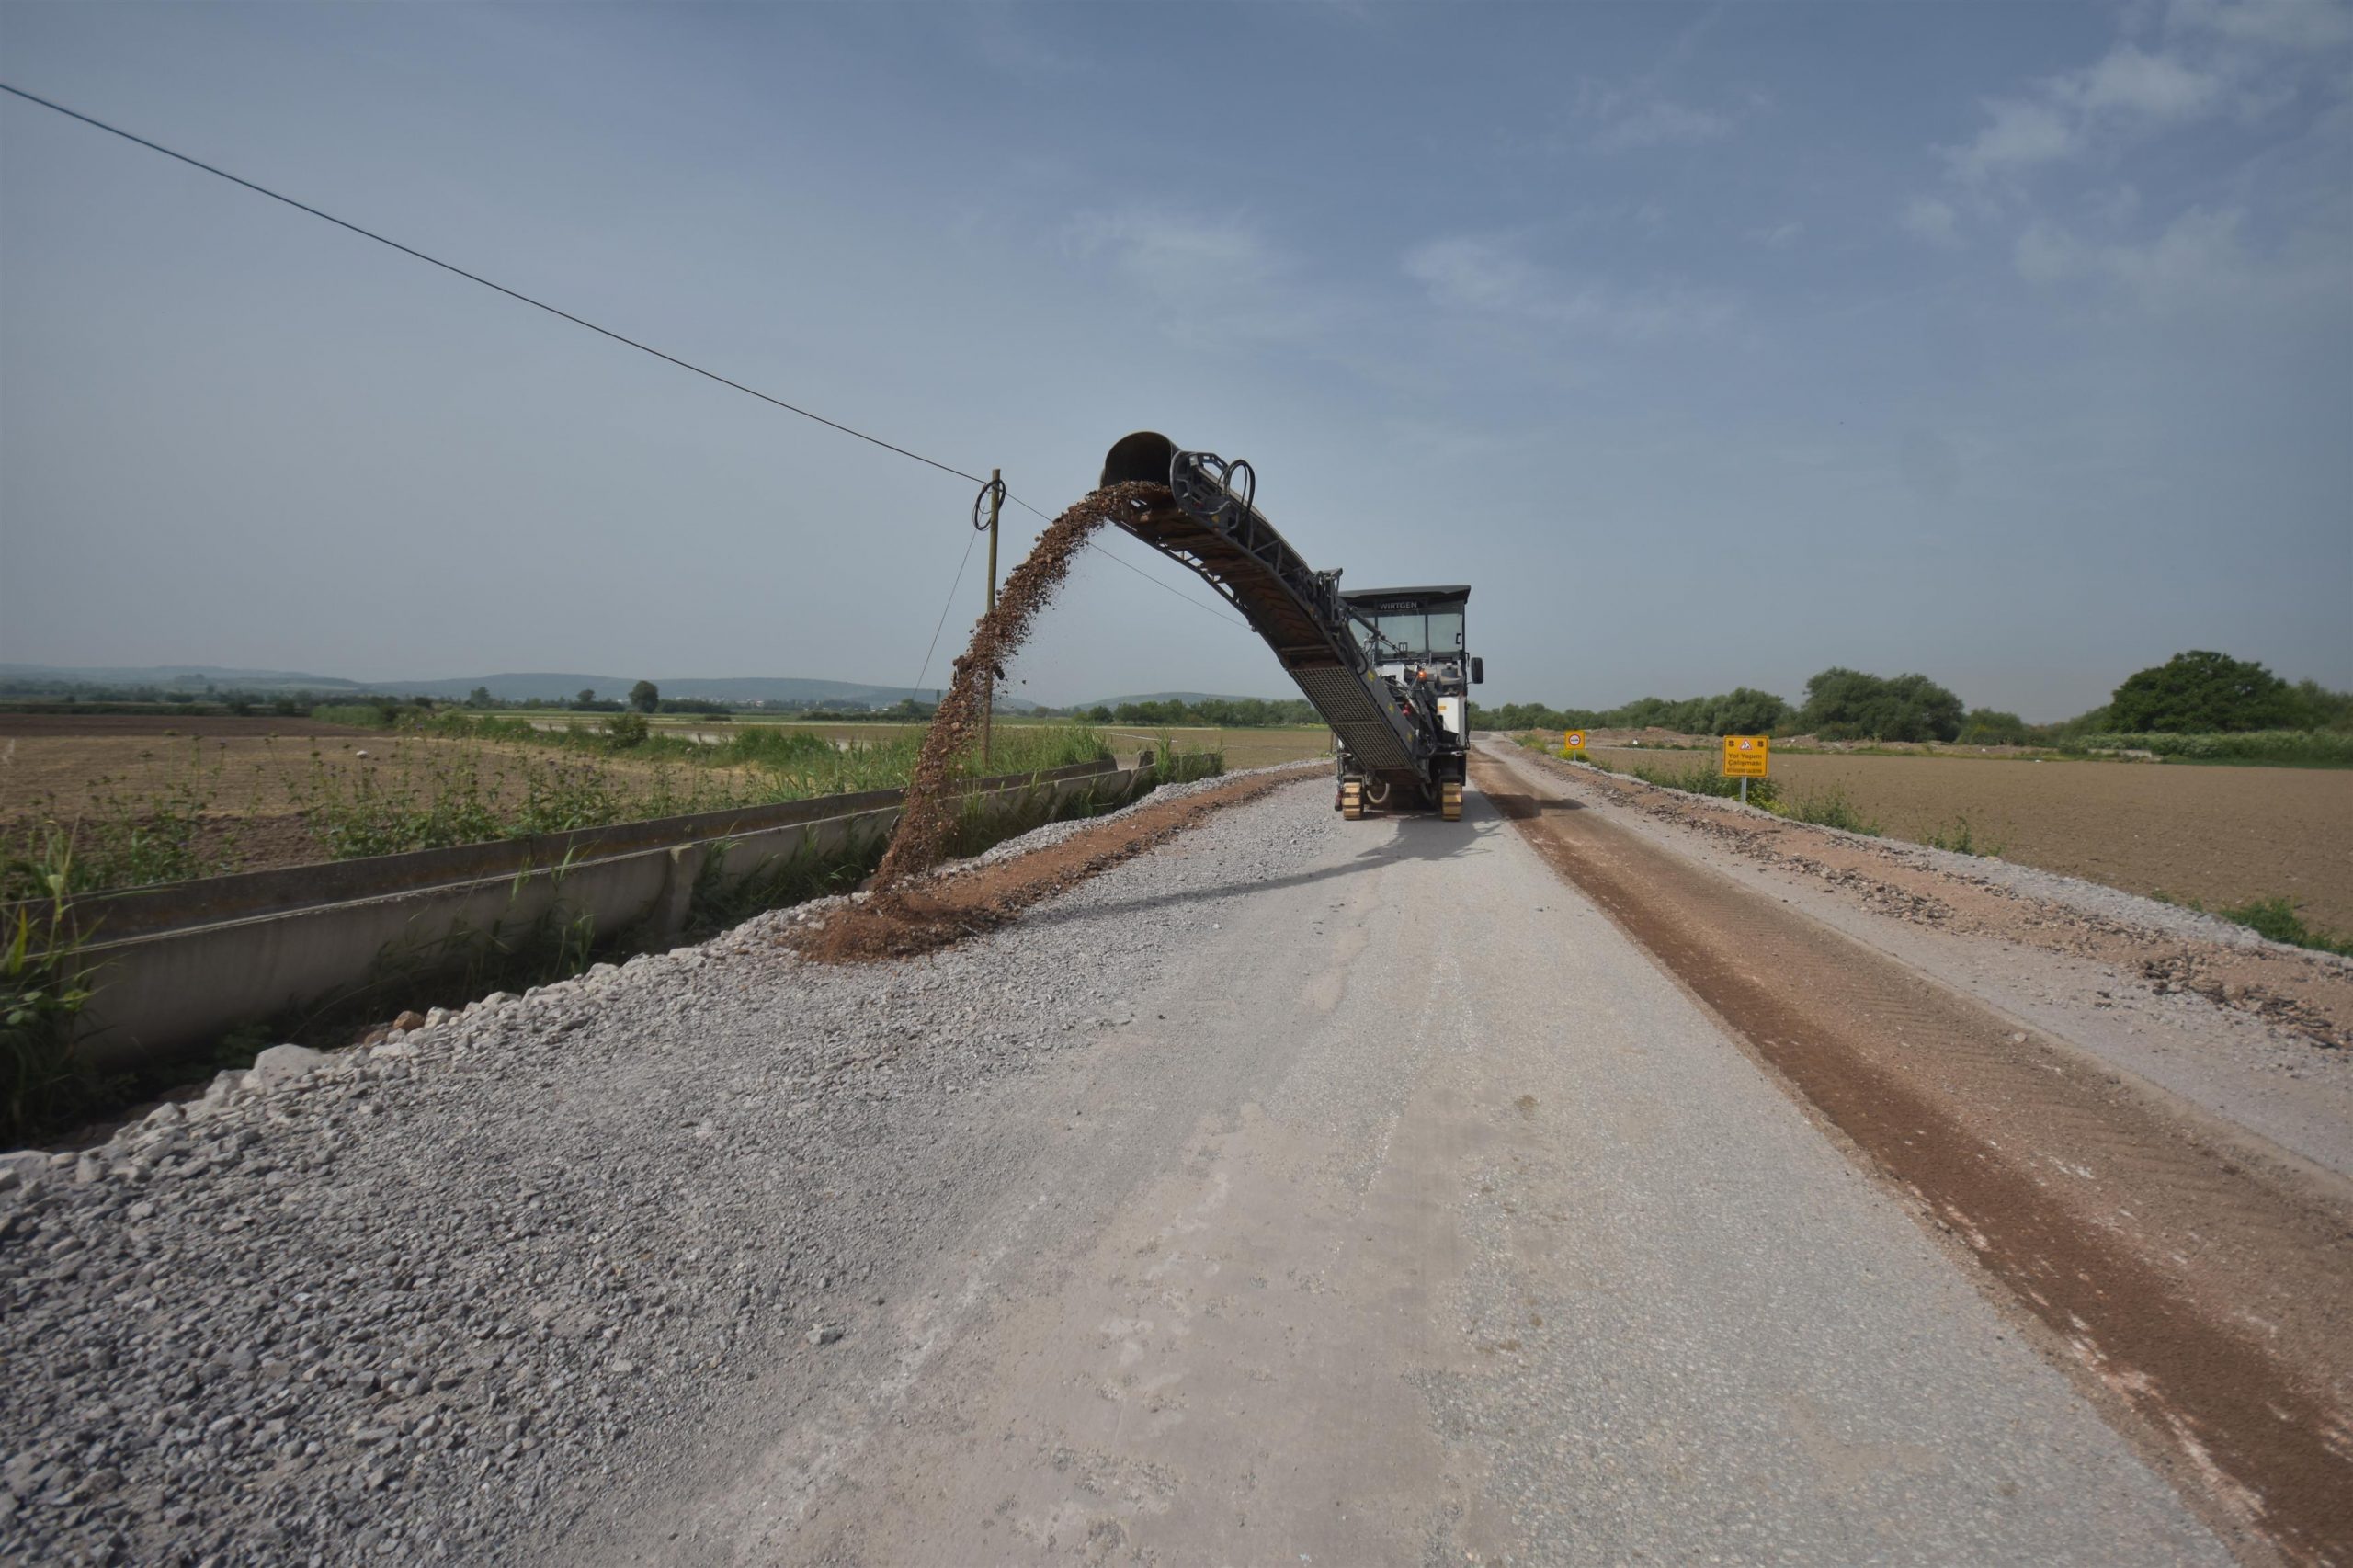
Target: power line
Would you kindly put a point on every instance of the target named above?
(969, 540)
(1164, 588)
(1140, 571)
(477, 278)
(618, 337)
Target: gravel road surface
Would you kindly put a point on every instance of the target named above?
(1302, 1192)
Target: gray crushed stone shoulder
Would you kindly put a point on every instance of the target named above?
(419, 1302)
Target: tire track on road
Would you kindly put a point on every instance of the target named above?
(2148, 1279)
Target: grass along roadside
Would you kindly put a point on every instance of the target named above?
(44, 986)
(1961, 838)
(2278, 919)
(196, 807)
(1828, 807)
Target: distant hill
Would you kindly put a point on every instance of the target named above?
(718, 689)
(1114, 702)
(178, 675)
(547, 685)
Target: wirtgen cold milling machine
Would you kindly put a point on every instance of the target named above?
(1385, 666)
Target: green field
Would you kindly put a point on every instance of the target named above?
(1241, 748)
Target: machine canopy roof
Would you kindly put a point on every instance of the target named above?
(1403, 598)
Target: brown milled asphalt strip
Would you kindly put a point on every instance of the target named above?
(2203, 1283)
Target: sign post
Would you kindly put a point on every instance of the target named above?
(1573, 744)
(1747, 757)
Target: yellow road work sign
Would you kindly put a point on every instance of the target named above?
(1746, 756)
(1576, 741)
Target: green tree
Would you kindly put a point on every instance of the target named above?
(2200, 692)
(1992, 727)
(1743, 710)
(2329, 709)
(587, 695)
(479, 698)
(645, 696)
(1846, 705)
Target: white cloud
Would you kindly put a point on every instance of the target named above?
(1927, 219)
(2128, 92)
(1489, 277)
(1005, 43)
(2300, 24)
(2199, 255)
(1174, 256)
(2021, 134)
(2199, 258)
(1637, 115)
(2129, 81)
(1660, 123)
(2047, 254)
(2116, 206)
(1206, 278)
(1778, 236)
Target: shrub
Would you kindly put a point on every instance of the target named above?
(2325, 709)
(623, 730)
(358, 715)
(1703, 778)
(1829, 808)
(2325, 748)
(1962, 839)
(2276, 919)
(1992, 727)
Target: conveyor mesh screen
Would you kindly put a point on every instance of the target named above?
(1356, 713)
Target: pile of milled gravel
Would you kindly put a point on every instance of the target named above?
(423, 1300)
(1055, 831)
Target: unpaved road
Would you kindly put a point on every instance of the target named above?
(1300, 1191)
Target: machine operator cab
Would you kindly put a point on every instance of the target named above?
(1415, 638)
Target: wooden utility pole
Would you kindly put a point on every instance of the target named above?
(988, 699)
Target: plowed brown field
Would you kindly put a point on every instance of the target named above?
(2219, 835)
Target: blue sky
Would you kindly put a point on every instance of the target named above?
(2011, 344)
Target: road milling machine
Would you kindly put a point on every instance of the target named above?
(1386, 667)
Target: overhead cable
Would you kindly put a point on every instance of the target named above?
(477, 278)
(969, 540)
(623, 339)
(1140, 571)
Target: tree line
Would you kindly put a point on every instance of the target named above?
(2197, 692)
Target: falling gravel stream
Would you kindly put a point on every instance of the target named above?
(929, 816)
